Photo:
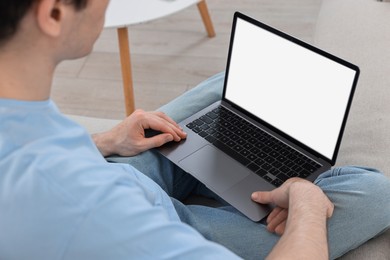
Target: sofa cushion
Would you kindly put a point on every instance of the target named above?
(359, 31)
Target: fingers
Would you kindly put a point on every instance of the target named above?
(293, 188)
(167, 118)
(163, 123)
(281, 228)
(274, 213)
(156, 141)
(277, 220)
(169, 125)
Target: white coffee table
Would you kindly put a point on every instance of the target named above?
(123, 13)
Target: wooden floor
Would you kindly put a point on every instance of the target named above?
(169, 56)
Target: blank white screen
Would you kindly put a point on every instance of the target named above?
(298, 91)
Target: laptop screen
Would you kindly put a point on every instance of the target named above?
(293, 88)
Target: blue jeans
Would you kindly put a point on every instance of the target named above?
(361, 195)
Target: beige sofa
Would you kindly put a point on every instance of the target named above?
(359, 31)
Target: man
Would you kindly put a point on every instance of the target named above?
(60, 199)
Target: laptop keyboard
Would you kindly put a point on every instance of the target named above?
(268, 157)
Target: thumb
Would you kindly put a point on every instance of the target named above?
(263, 197)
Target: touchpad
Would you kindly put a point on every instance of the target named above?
(214, 168)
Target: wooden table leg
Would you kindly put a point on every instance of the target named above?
(124, 50)
(202, 6)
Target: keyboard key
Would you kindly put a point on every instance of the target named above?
(281, 159)
(261, 172)
(227, 133)
(248, 146)
(224, 139)
(206, 119)
(292, 157)
(277, 164)
(314, 164)
(253, 167)
(198, 122)
(252, 157)
(204, 127)
(203, 134)
(218, 135)
(289, 163)
(291, 174)
(255, 150)
(196, 129)
(299, 161)
(249, 130)
(245, 136)
(190, 125)
(216, 110)
(259, 161)
(304, 174)
(211, 131)
(238, 148)
(232, 128)
(274, 171)
(212, 115)
(277, 182)
(235, 137)
(266, 149)
(241, 142)
(309, 167)
(284, 169)
(269, 159)
(284, 152)
(225, 124)
(232, 144)
(210, 138)
(245, 153)
(283, 177)
(296, 168)
(266, 166)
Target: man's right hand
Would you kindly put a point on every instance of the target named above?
(280, 197)
(128, 137)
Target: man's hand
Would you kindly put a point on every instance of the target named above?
(128, 137)
(280, 197)
(301, 214)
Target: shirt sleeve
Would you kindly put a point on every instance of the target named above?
(123, 224)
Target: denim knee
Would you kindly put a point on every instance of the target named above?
(359, 191)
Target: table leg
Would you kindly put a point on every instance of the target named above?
(202, 6)
(124, 50)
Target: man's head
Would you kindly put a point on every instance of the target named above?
(67, 26)
(12, 12)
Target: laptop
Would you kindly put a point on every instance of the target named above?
(283, 112)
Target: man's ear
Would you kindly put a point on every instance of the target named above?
(50, 14)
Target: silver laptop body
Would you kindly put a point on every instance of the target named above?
(298, 95)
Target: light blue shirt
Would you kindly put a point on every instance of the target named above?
(59, 198)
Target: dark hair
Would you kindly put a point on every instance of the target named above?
(12, 12)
